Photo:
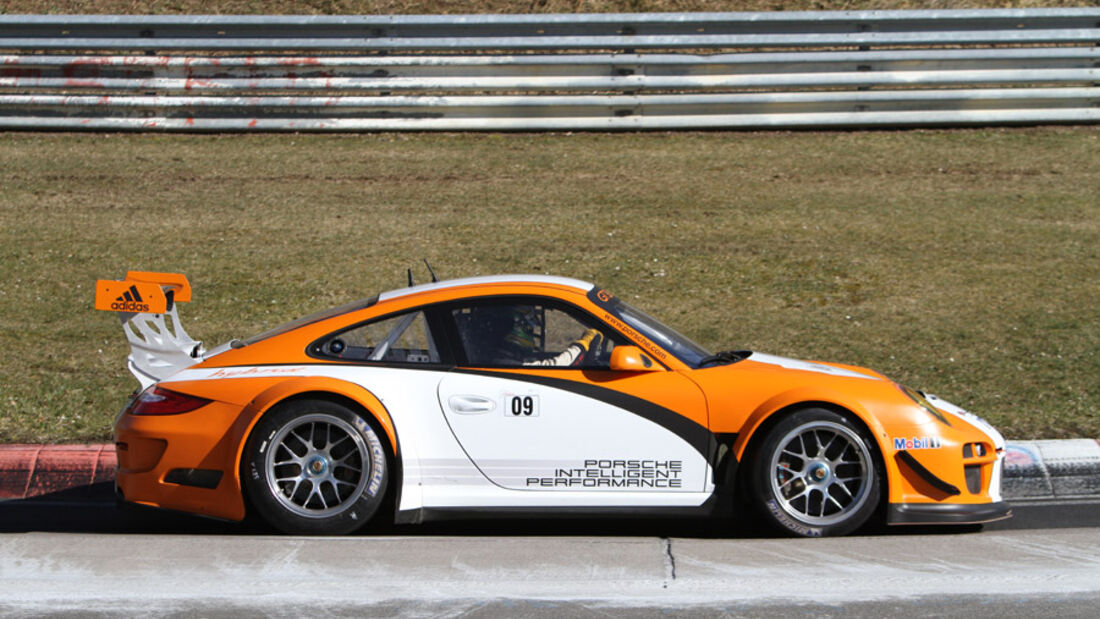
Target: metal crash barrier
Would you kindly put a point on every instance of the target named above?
(550, 72)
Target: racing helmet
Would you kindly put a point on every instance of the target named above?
(495, 326)
(524, 328)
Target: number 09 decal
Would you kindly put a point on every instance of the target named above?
(521, 405)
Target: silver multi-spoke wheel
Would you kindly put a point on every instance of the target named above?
(317, 465)
(821, 473)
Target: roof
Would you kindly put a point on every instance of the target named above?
(568, 282)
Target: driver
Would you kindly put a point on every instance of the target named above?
(510, 335)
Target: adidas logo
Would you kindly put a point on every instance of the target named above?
(130, 301)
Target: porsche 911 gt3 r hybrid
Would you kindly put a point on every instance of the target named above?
(519, 394)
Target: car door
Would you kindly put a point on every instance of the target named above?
(533, 414)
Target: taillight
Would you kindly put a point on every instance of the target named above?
(161, 401)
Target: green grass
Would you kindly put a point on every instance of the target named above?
(964, 262)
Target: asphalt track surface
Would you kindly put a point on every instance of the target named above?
(78, 558)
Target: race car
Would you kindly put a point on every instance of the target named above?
(524, 394)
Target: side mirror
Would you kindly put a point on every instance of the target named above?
(632, 359)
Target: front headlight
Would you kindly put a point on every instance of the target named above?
(969, 417)
(923, 402)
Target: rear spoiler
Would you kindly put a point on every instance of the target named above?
(146, 304)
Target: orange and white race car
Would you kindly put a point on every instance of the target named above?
(524, 394)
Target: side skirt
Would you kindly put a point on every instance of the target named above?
(713, 506)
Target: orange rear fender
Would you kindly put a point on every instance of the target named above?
(289, 388)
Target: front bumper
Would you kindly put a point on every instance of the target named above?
(945, 473)
(946, 513)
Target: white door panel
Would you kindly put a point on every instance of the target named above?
(528, 436)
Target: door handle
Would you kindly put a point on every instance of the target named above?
(471, 404)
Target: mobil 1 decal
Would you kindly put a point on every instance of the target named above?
(608, 474)
(918, 442)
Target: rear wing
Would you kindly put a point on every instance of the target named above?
(146, 304)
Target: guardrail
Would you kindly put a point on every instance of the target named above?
(538, 72)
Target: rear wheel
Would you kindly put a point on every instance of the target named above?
(315, 467)
(816, 474)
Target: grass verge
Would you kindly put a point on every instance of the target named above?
(962, 262)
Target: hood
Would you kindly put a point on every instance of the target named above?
(833, 369)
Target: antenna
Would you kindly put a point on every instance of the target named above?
(434, 278)
(411, 284)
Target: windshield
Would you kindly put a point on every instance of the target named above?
(652, 329)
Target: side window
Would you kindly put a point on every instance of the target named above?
(404, 338)
(518, 334)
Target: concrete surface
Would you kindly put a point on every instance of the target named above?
(1052, 572)
(72, 557)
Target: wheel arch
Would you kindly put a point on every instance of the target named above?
(770, 412)
(341, 392)
(748, 443)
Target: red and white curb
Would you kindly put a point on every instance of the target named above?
(1033, 470)
(28, 471)
(1052, 469)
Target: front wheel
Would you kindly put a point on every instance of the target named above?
(816, 474)
(315, 467)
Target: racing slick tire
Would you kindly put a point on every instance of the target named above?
(816, 474)
(315, 467)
